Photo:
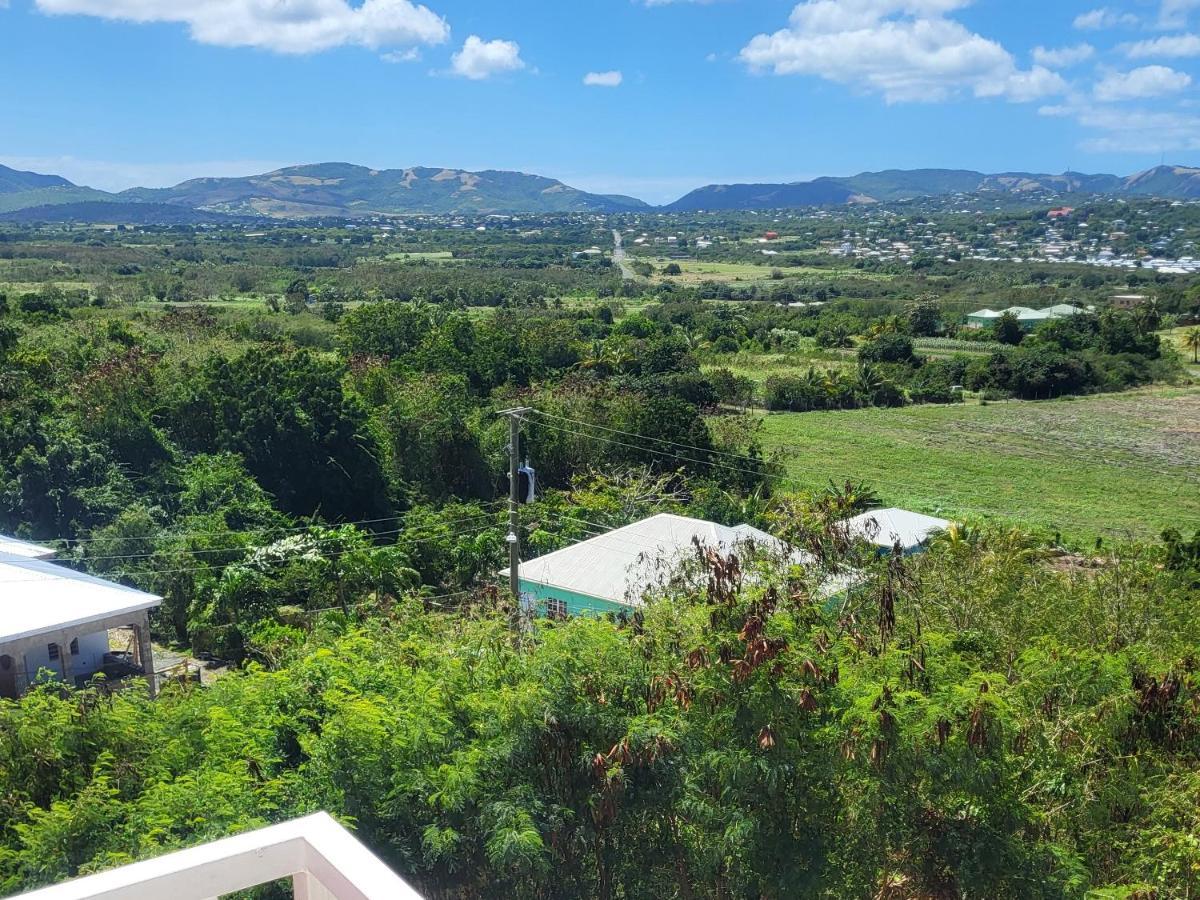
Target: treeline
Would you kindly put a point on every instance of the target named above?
(137, 430)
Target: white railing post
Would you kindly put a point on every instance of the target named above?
(305, 886)
(323, 859)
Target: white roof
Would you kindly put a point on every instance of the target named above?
(38, 597)
(1025, 314)
(621, 565)
(13, 547)
(884, 527)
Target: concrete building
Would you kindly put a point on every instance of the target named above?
(1127, 301)
(1026, 317)
(54, 622)
(613, 572)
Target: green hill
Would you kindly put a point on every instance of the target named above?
(51, 196)
(341, 189)
(13, 181)
(111, 212)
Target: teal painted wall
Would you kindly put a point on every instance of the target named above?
(577, 604)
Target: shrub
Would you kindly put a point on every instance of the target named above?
(888, 348)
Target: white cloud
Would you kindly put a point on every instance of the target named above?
(1168, 46)
(603, 79)
(906, 50)
(412, 54)
(285, 26)
(1063, 57)
(1175, 13)
(479, 59)
(109, 175)
(1148, 81)
(1103, 18)
(1124, 130)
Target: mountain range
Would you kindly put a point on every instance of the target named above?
(341, 190)
(1169, 182)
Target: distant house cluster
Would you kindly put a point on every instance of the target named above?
(1027, 318)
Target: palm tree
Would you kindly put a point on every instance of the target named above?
(868, 381)
(1191, 340)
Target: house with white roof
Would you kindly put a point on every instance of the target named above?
(13, 547)
(54, 621)
(1026, 317)
(885, 528)
(613, 572)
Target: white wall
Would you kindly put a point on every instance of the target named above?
(90, 659)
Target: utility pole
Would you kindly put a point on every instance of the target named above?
(514, 502)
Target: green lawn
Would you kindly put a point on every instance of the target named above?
(418, 256)
(758, 367)
(1111, 465)
(696, 271)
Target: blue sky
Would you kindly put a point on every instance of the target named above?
(681, 93)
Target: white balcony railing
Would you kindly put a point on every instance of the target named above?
(324, 861)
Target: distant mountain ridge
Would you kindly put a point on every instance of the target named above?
(342, 190)
(338, 190)
(13, 181)
(1168, 182)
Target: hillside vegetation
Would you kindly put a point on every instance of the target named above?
(296, 437)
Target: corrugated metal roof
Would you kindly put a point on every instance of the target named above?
(38, 597)
(13, 547)
(1025, 314)
(884, 527)
(622, 565)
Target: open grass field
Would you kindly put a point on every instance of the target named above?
(697, 271)
(758, 367)
(421, 256)
(1112, 465)
(17, 288)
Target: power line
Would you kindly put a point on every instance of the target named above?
(738, 456)
(781, 478)
(324, 540)
(1131, 464)
(245, 533)
(148, 573)
(699, 462)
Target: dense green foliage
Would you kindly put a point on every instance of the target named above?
(971, 723)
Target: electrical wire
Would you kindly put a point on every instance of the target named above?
(738, 456)
(247, 533)
(780, 478)
(699, 462)
(326, 540)
(149, 573)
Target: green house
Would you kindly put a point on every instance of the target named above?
(1027, 318)
(613, 572)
